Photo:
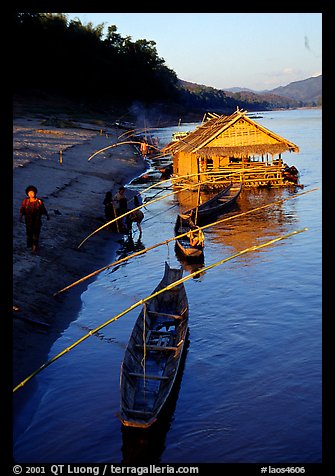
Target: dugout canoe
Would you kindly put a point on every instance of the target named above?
(220, 203)
(185, 247)
(152, 356)
(217, 205)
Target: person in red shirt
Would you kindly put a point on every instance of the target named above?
(32, 208)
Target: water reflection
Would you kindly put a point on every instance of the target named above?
(128, 247)
(189, 198)
(147, 445)
(238, 346)
(252, 229)
(190, 267)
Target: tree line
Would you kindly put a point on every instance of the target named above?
(53, 55)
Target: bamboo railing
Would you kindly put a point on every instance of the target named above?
(251, 175)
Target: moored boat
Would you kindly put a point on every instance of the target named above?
(190, 246)
(215, 206)
(153, 353)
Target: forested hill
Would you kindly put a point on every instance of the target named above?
(55, 55)
(57, 58)
(309, 91)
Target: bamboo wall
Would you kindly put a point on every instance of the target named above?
(240, 134)
(184, 163)
(253, 175)
(239, 141)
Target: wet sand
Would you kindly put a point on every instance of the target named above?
(72, 188)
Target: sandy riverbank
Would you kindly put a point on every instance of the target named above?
(73, 190)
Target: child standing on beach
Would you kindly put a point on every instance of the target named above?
(33, 208)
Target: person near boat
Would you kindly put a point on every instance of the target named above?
(144, 149)
(196, 237)
(110, 212)
(121, 206)
(32, 208)
(109, 206)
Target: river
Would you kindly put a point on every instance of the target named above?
(249, 390)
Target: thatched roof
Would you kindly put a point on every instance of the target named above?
(230, 136)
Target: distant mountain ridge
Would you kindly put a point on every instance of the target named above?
(308, 91)
(304, 93)
(238, 90)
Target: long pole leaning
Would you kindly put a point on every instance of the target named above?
(167, 241)
(147, 203)
(151, 296)
(175, 179)
(134, 132)
(134, 209)
(117, 144)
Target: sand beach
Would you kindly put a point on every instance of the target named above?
(52, 154)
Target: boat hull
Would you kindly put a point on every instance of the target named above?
(189, 252)
(153, 354)
(219, 204)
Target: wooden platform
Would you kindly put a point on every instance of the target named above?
(251, 175)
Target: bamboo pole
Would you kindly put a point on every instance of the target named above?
(128, 133)
(154, 185)
(120, 143)
(143, 205)
(198, 202)
(165, 242)
(151, 296)
(133, 210)
(134, 132)
(117, 223)
(169, 179)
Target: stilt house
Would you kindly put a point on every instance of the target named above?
(231, 148)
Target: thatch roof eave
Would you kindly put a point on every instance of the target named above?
(198, 141)
(256, 149)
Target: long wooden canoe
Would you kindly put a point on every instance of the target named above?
(219, 204)
(215, 206)
(151, 361)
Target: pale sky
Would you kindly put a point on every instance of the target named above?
(224, 50)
